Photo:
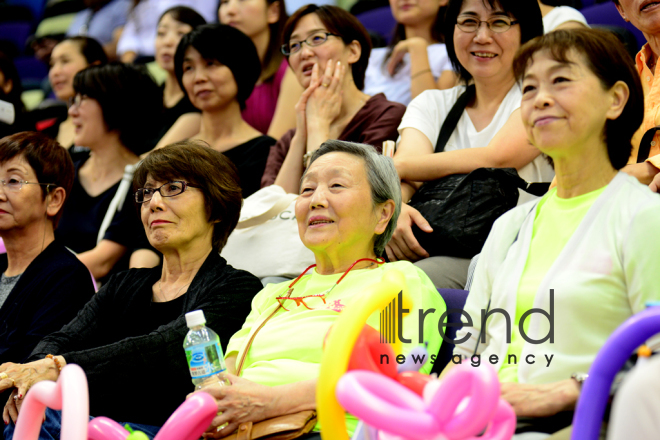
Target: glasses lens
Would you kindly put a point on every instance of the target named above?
(13, 184)
(468, 25)
(314, 302)
(499, 25)
(171, 189)
(317, 39)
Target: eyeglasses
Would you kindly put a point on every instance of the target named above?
(316, 39)
(77, 100)
(16, 185)
(497, 25)
(170, 189)
(311, 302)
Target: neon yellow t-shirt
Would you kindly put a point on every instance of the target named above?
(288, 348)
(555, 222)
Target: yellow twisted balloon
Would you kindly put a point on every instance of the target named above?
(339, 345)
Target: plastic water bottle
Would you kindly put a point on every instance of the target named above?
(203, 352)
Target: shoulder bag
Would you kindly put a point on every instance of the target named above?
(286, 427)
(461, 208)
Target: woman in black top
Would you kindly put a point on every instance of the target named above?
(218, 67)
(128, 339)
(172, 25)
(115, 112)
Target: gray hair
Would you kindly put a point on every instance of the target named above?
(381, 175)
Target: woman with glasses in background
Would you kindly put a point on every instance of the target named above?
(347, 208)
(116, 127)
(128, 337)
(328, 50)
(43, 285)
(485, 36)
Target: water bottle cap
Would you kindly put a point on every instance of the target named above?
(195, 318)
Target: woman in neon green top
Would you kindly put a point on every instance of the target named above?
(346, 212)
(585, 254)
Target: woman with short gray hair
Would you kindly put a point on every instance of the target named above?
(347, 209)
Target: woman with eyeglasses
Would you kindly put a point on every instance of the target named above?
(347, 208)
(43, 285)
(99, 222)
(485, 36)
(128, 338)
(218, 79)
(328, 50)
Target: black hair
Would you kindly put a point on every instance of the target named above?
(230, 47)
(8, 70)
(185, 15)
(89, 48)
(129, 98)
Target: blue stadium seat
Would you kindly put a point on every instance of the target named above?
(455, 300)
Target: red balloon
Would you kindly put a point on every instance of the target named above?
(367, 353)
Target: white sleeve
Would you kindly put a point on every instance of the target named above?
(128, 42)
(425, 113)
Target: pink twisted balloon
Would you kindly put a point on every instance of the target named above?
(70, 395)
(457, 408)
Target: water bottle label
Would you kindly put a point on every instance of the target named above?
(205, 360)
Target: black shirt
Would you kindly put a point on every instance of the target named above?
(250, 159)
(137, 372)
(170, 115)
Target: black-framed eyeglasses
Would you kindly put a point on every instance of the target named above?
(497, 25)
(169, 189)
(77, 100)
(16, 185)
(316, 39)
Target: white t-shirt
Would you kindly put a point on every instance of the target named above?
(397, 88)
(561, 15)
(427, 112)
(139, 34)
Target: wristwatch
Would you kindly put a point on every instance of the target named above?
(579, 378)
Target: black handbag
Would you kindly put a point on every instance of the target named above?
(461, 208)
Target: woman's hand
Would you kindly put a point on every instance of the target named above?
(301, 106)
(22, 377)
(243, 401)
(324, 104)
(403, 245)
(544, 400)
(402, 48)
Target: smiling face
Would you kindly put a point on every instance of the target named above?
(484, 53)
(22, 208)
(333, 49)
(90, 128)
(564, 106)
(208, 83)
(416, 12)
(168, 35)
(643, 14)
(65, 61)
(176, 222)
(335, 211)
(251, 17)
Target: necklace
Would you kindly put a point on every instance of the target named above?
(377, 261)
(160, 289)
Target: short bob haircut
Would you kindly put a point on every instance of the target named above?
(129, 98)
(382, 176)
(198, 164)
(342, 23)
(89, 48)
(50, 162)
(526, 12)
(608, 59)
(228, 46)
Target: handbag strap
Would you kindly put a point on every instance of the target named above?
(249, 344)
(645, 144)
(278, 207)
(451, 121)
